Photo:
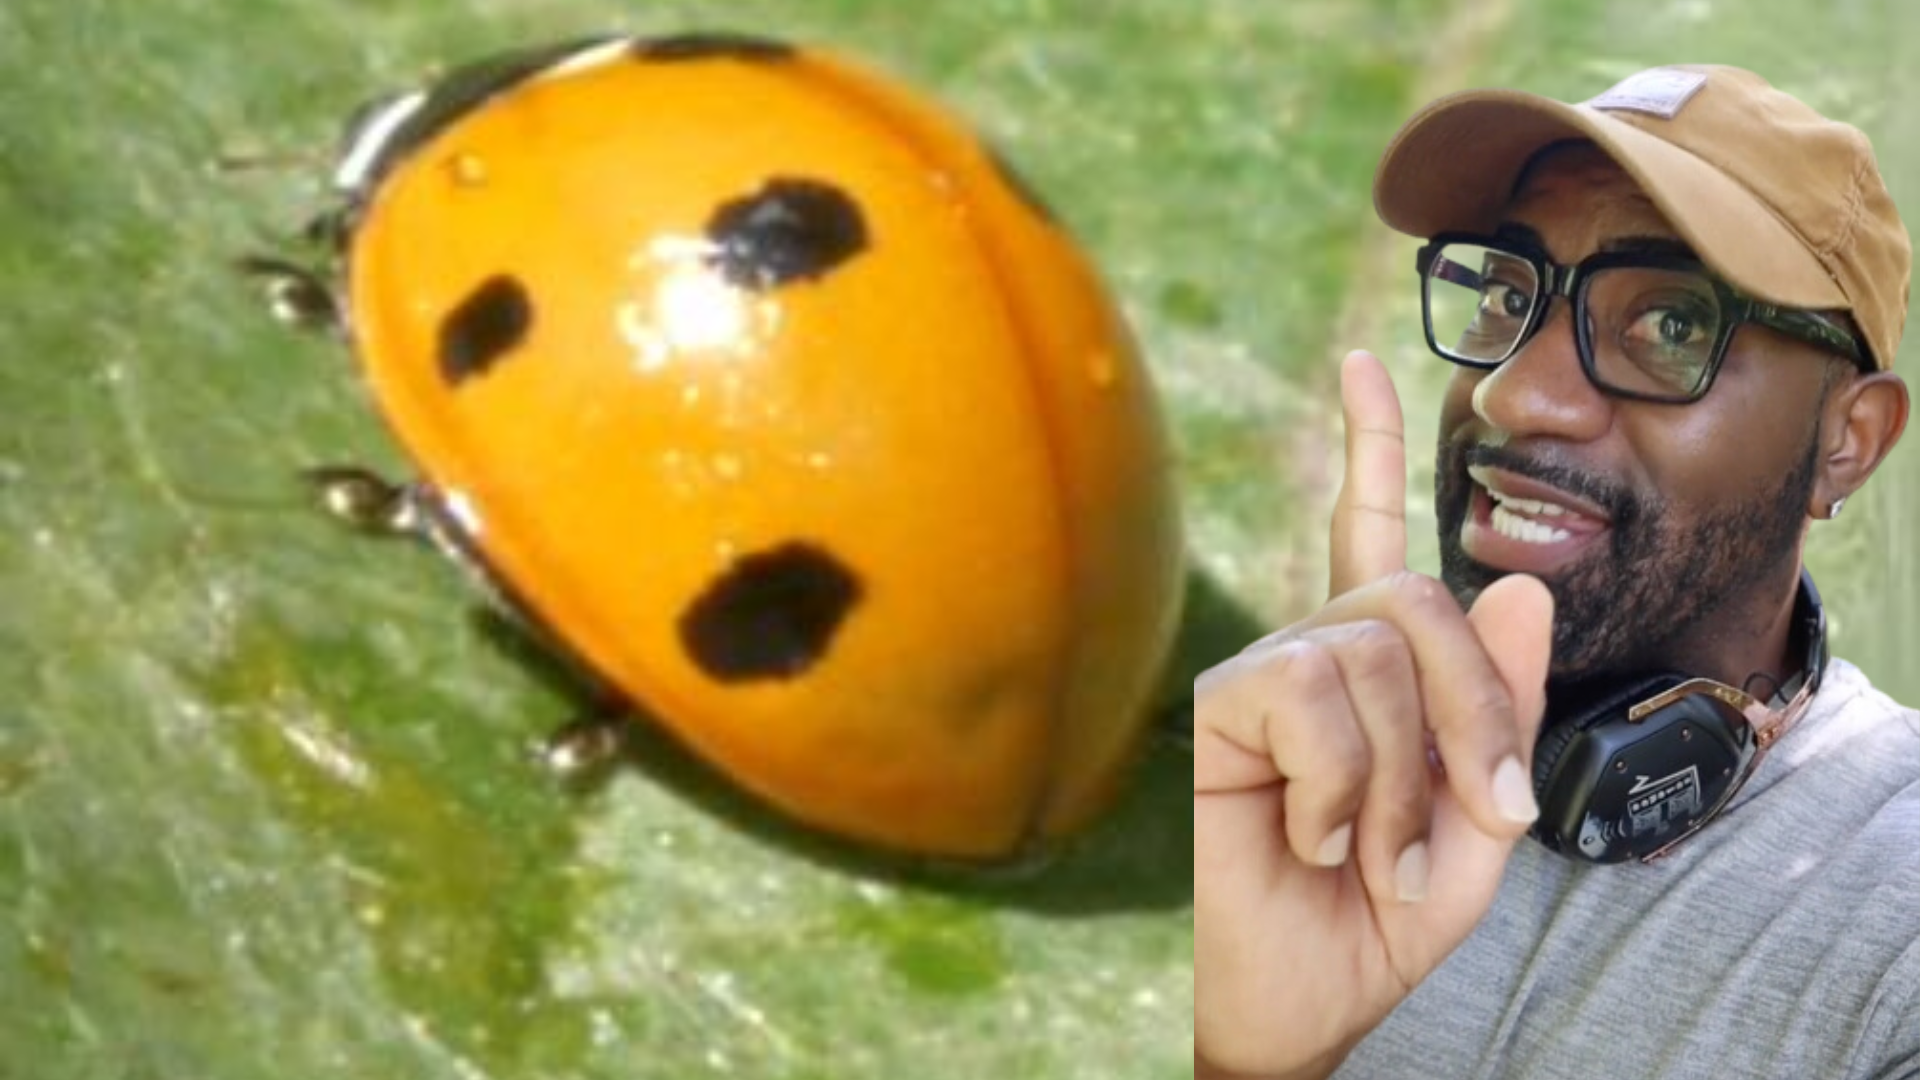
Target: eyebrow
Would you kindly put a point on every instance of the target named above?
(1622, 245)
(1513, 230)
(1648, 245)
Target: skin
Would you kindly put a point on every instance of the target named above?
(1325, 841)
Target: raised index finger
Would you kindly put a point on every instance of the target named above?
(1370, 517)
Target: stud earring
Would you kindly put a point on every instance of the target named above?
(1833, 508)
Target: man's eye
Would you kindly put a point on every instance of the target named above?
(1676, 328)
(1669, 327)
(1502, 300)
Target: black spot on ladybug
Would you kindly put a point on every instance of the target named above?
(1026, 191)
(772, 616)
(712, 46)
(493, 318)
(791, 228)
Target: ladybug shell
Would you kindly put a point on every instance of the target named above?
(761, 385)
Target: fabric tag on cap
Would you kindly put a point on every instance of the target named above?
(1659, 92)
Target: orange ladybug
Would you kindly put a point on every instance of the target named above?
(772, 396)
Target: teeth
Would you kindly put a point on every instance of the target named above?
(1514, 527)
(1527, 506)
(1531, 507)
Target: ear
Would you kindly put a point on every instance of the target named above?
(1861, 420)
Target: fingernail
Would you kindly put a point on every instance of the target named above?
(1410, 873)
(1333, 850)
(1513, 794)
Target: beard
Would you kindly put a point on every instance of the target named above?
(1658, 580)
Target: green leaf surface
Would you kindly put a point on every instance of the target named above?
(266, 808)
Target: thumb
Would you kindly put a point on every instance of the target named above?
(1514, 618)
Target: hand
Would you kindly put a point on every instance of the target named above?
(1335, 865)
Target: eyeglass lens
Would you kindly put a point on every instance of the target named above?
(1651, 330)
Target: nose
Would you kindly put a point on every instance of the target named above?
(1541, 391)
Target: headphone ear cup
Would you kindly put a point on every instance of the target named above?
(1546, 754)
(1546, 757)
(1574, 709)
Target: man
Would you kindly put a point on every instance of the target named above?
(1674, 308)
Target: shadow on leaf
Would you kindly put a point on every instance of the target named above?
(1138, 858)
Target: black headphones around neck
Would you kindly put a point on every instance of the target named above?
(1627, 768)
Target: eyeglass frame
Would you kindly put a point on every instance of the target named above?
(1553, 280)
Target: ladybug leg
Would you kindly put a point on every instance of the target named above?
(581, 751)
(298, 296)
(585, 749)
(414, 510)
(369, 502)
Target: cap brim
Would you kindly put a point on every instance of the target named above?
(1454, 166)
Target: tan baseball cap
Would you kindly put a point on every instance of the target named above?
(1785, 204)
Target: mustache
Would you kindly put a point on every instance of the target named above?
(1620, 503)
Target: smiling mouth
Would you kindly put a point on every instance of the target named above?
(1519, 524)
(1529, 521)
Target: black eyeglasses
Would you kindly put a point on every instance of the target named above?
(1650, 327)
